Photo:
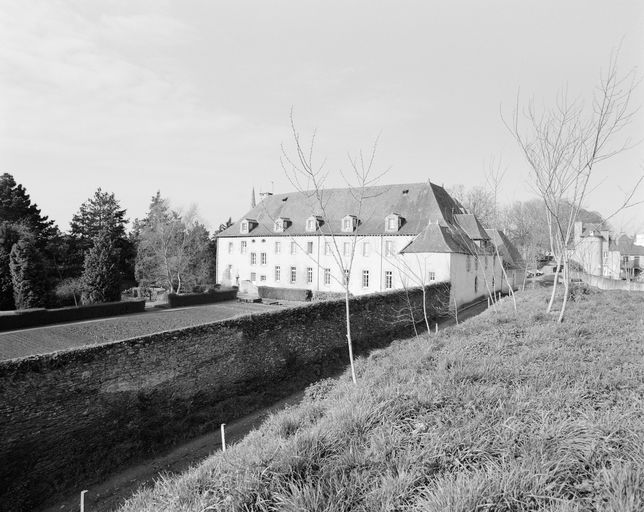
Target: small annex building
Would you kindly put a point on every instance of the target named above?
(399, 236)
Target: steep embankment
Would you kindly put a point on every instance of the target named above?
(503, 412)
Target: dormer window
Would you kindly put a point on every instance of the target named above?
(349, 223)
(313, 223)
(281, 224)
(247, 225)
(393, 222)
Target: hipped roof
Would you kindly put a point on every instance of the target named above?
(417, 204)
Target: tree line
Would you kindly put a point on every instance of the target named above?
(42, 266)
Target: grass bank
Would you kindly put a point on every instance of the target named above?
(502, 412)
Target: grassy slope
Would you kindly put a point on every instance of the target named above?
(498, 413)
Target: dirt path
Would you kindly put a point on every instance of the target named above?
(108, 495)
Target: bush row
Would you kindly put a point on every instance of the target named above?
(21, 319)
(193, 299)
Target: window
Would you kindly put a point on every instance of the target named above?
(346, 250)
(365, 248)
(293, 248)
(327, 276)
(346, 276)
(389, 248)
(476, 284)
(278, 273)
(243, 228)
(230, 247)
(492, 282)
(243, 246)
(346, 224)
(486, 262)
(431, 276)
(278, 247)
(605, 255)
(468, 263)
(476, 264)
(392, 222)
(311, 224)
(389, 279)
(293, 274)
(327, 248)
(281, 224)
(309, 247)
(253, 277)
(253, 258)
(262, 278)
(309, 274)
(262, 258)
(365, 279)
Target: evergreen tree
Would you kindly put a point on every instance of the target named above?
(101, 280)
(10, 233)
(16, 208)
(27, 275)
(101, 212)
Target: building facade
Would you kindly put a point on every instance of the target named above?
(601, 253)
(397, 236)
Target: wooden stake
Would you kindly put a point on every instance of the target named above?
(223, 438)
(82, 501)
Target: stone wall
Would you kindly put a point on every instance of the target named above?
(604, 283)
(69, 418)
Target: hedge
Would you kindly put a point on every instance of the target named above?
(295, 294)
(193, 299)
(25, 318)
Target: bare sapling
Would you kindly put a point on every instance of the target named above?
(309, 177)
(562, 145)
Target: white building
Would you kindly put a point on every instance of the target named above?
(602, 253)
(402, 235)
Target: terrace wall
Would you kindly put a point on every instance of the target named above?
(604, 283)
(69, 418)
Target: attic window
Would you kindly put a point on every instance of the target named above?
(313, 223)
(284, 199)
(247, 225)
(349, 223)
(281, 224)
(406, 191)
(393, 222)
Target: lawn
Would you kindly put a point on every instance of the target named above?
(503, 412)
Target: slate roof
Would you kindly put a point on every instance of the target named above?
(471, 225)
(441, 238)
(417, 203)
(507, 250)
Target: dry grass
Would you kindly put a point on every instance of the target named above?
(500, 413)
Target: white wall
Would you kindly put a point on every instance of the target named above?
(374, 262)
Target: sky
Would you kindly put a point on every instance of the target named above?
(193, 98)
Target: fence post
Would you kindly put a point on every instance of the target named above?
(82, 501)
(223, 438)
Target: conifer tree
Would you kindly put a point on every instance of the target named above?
(16, 207)
(101, 279)
(27, 275)
(101, 212)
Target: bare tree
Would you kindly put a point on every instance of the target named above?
(309, 177)
(562, 145)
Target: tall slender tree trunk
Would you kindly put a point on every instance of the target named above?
(566, 293)
(554, 286)
(349, 343)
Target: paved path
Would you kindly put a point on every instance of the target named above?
(52, 338)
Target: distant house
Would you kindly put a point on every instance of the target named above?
(601, 253)
(403, 235)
